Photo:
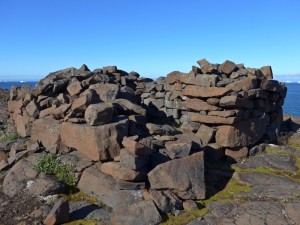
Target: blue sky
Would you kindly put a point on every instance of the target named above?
(151, 37)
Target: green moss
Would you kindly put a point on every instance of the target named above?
(276, 150)
(9, 137)
(232, 188)
(188, 216)
(80, 196)
(294, 142)
(83, 222)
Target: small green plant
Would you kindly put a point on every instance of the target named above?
(50, 164)
(9, 137)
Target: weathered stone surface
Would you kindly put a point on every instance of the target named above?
(136, 148)
(237, 153)
(96, 142)
(225, 114)
(206, 134)
(84, 68)
(74, 87)
(188, 78)
(23, 125)
(124, 106)
(133, 161)
(59, 214)
(88, 97)
(206, 80)
(236, 102)
(204, 92)
(47, 131)
(271, 85)
(243, 85)
(267, 72)
(105, 189)
(228, 67)
(143, 212)
(106, 92)
(158, 103)
(173, 77)
(213, 152)
(32, 109)
(211, 119)
(117, 170)
(99, 114)
(198, 105)
(176, 104)
(178, 149)
(243, 133)
(185, 177)
(109, 69)
(166, 201)
(203, 62)
(190, 205)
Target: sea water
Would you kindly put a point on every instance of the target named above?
(291, 104)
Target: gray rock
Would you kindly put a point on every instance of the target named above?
(184, 176)
(178, 149)
(59, 213)
(143, 212)
(133, 161)
(98, 114)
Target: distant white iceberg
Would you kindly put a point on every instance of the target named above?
(22, 81)
(288, 81)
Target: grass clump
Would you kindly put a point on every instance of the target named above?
(50, 164)
(9, 137)
(82, 222)
(80, 196)
(185, 218)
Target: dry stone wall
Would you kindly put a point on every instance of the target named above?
(144, 131)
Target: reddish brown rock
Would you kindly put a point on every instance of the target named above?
(135, 147)
(59, 214)
(228, 67)
(240, 153)
(184, 176)
(204, 92)
(124, 106)
(95, 142)
(267, 72)
(32, 109)
(190, 205)
(84, 68)
(106, 92)
(244, 133)
(198, 105)
(206, 134)
(188, 78)
(211, 119)
(47, 131)
(243, 85)
(22, 124)
(116, 170)
(206, 80)
(203, 62)
(98, 114)
(236, 102)
(173, 77)
(225, 114)
(88, 97)
(74, 87)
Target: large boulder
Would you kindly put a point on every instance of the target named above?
(105, 188)
(243, 133)
(184, 176)
(96, 142)
(47, 131)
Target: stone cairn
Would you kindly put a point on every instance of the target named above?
(148, 140)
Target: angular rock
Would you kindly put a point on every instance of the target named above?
(136, 148)
(236, 102)
(89, 97)
(198, 105)
(123, 106)
(243, 133)
(213, 152)
(105, 189)
(84, 68)
(96, 142)
(99, 114)
(206, 134)
(117, 170)
(74, 87)
(267, 72)
(211, 119)
(237, 153)
(188, 78)
(32, 109)
(243, 85)
(59, 214)
(206, 80)
(173, 77)
(184, 177)
(204, 92)
(144, 212)
(166, 201)
(109, 69)
(178, 149)
(225, 114)
(47, 131)
(133, 161)
(203, 62)
(106, 92)
(228, 67)
(190, 205)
